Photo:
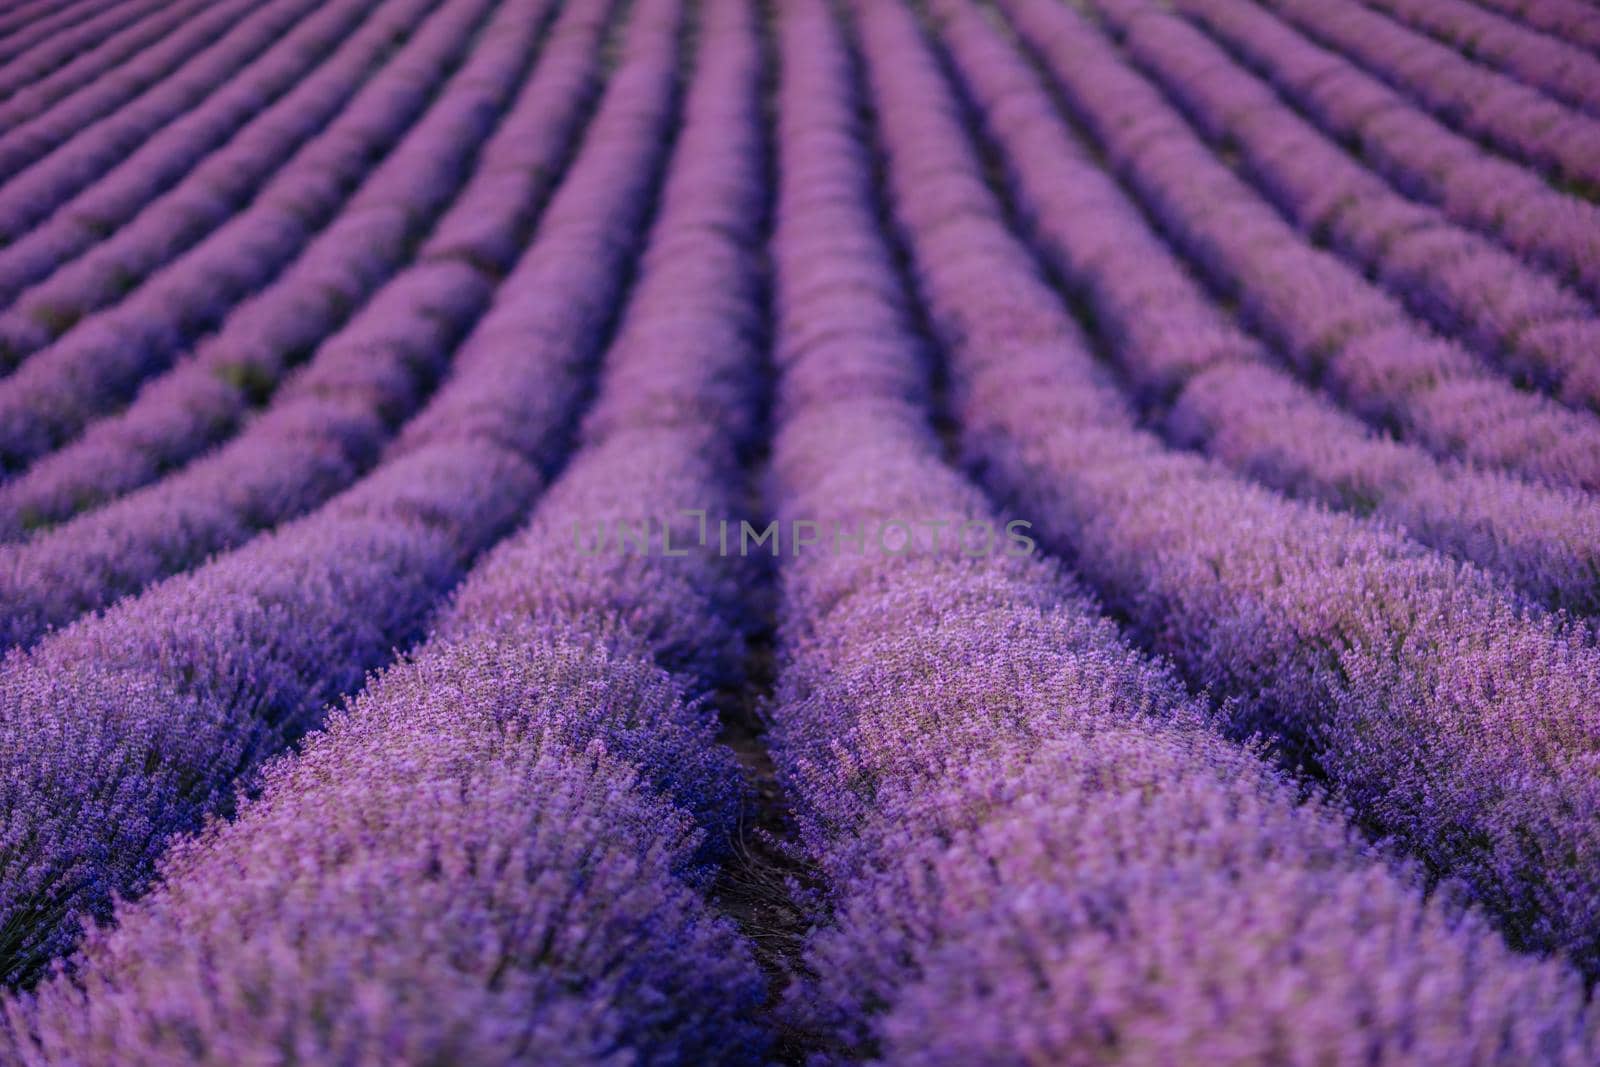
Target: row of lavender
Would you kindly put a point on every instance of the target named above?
(1571, 19)
(548, 905)
(1425, 158)
(45, 113)
(178, 95)
(1082, 79)
(69, 26)
(179, 414)
(1338, 328)
(247, 117)
(1564, 70)
(68, 69)
(1550, 342)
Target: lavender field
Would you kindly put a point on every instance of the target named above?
(937, 532)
